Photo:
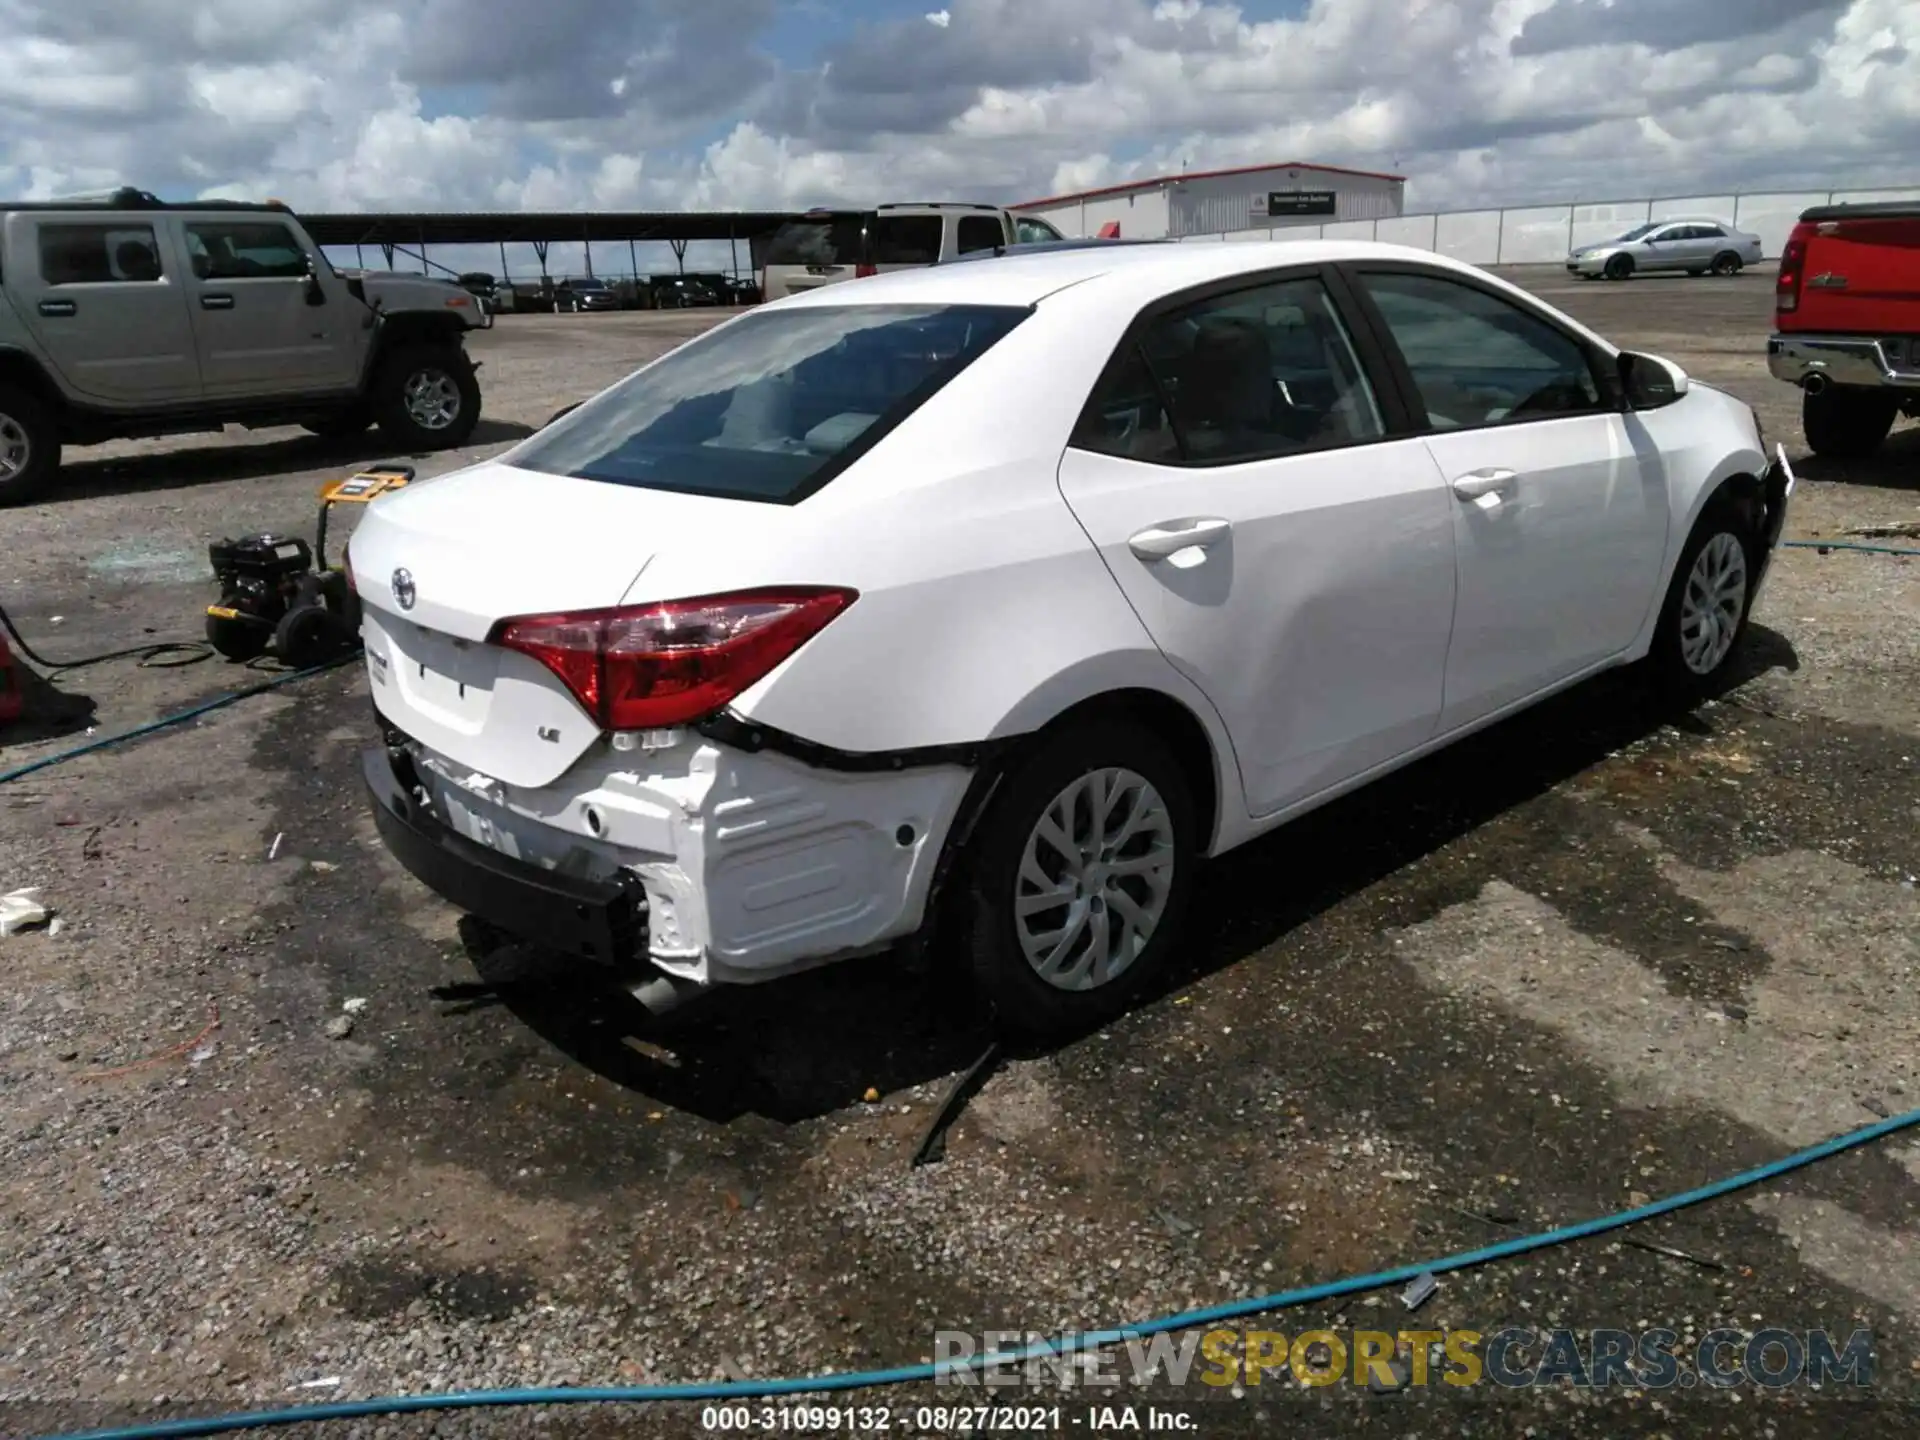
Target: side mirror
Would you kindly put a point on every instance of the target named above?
(1649, 381)
(316, 293)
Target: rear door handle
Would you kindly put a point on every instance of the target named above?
(1157, 542)
(216, 302)
(58, 307)
(1475, 483)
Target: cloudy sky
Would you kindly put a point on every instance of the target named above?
(681, 104)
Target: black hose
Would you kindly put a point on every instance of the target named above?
(190, 651)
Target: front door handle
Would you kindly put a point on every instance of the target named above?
(1157, 542)
(1475, 483)
(58, 307)
(216, 302)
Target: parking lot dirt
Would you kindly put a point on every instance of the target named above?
(1598, 954)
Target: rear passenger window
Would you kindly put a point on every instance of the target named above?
(1127, 415)
(98, 254)
(980, 232)
(906, 239)
(245, 251)
(1248, 376)
(1479, 360)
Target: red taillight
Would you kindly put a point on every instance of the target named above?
(644, 667)
(1793, 266)
(862, 271)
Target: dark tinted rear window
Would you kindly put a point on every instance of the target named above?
(770, 406)
(818, 240)
(906, 239)
(979, 232)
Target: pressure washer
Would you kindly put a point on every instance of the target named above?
(279, 596)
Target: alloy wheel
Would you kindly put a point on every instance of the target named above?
(1713, 603)
(16, 448)
(432, 399)
(1094, 880)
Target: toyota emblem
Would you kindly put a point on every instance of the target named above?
(403, 588)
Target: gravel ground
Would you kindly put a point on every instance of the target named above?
(1594, 955)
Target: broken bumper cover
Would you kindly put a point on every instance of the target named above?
(604, 921)
(711, 862)
(1777, 484)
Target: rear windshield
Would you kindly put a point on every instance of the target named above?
(771, 406)
(907, 239)
(819, 240)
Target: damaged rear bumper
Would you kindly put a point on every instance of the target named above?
(712, 862)
(602, 920)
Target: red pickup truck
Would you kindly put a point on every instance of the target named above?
(1847, 323)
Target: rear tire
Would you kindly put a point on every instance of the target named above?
(1843, 424)
(426, 397)
(1726, 263)
(29, 446)
(1619, 267)
(1116, 796)
(1705, 615)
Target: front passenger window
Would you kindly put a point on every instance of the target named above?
(245, 250)
(1480, 360)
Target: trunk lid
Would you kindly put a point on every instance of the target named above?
(477, 547)
(1860, 272)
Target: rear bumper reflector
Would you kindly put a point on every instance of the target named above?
(604, 921)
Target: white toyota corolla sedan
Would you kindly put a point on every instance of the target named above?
(994, 598)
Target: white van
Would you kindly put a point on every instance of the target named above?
(824, 247)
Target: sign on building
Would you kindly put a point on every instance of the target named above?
(1300, 202)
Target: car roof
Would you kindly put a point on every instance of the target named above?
(1133, 272)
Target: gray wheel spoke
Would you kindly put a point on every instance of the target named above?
(1102, 851)
(1151, 863)
(1130, 912)
(1063, 942)
(1062, 844)
(1100, 955)
(1041, 901)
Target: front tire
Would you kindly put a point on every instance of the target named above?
(426, 397)
(1705, 615)
(1843, 424)
(1080, 879)
(1619, 267)
(29, 446)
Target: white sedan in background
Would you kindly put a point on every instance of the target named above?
(992, 599)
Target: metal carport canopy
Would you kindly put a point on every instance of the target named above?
(510, 227)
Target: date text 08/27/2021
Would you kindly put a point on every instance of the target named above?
(945, 1419)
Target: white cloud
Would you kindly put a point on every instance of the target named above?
(479, 104)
